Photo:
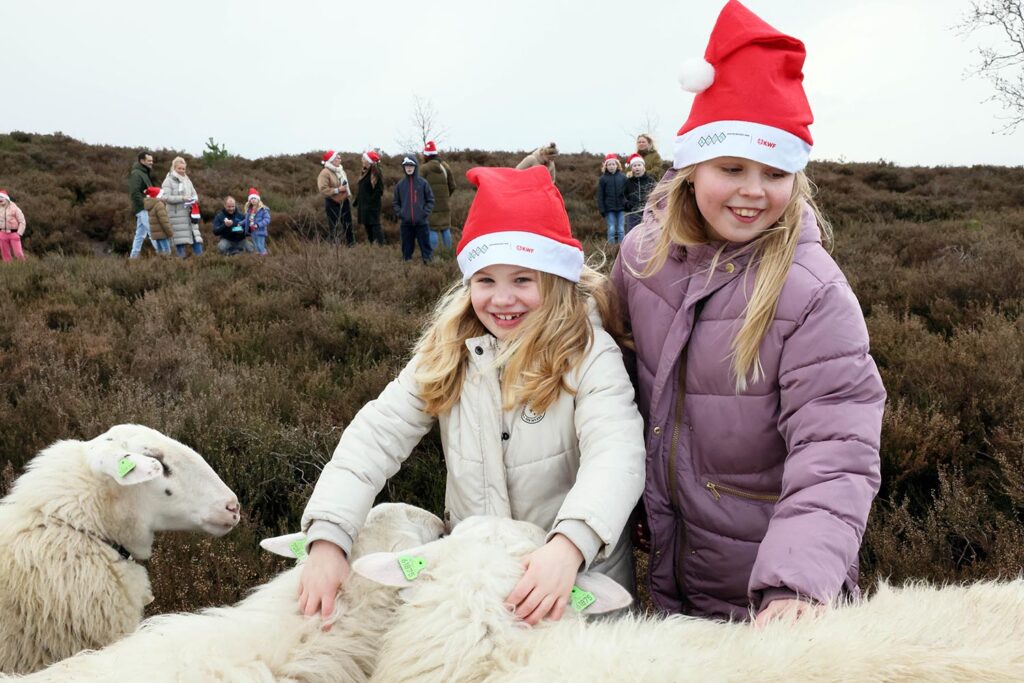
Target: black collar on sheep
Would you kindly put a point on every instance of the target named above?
(121, 550)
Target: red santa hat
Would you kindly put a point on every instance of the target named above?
(4, 195)
(750, 99)
(154, 192)
(371, 157)
(328, 155)
(253, 194)
(636, 159)
(194, 215)
(429, 149)
(518, 218)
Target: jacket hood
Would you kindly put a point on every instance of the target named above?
(410, 159)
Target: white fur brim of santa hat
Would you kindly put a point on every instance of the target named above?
(524, 249)
(252, 196)
(371, 157)
(770, 146)
(5, 196)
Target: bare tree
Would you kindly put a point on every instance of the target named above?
(424, 124)
(1002, 60)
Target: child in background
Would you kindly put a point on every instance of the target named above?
(638, 188)
(412, 203)
(611, 198)
(763, 406)
(257, 220)
(535, 406)
(12, 227)
(159, 222)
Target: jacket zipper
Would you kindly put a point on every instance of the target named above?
(412, 204)
(718, 489)
(673, 475)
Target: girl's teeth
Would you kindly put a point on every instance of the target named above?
(746, 213)
(499, 316)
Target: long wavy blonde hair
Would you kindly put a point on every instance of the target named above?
(772, 253)
(534, 361)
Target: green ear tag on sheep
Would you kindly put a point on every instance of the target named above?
(298, 548)
(580, 599)
(124, 466)
(411, 566)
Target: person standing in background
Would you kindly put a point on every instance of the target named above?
(160, 231)
(332, 183)
(12, 227)
(368, 197)
(412, 203)
(442, 182)
(257, 221)
(139, 178)
(611, 198)
(180, 197)
(652, 160)
(638, 187)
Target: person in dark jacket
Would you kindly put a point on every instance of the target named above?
(413, 202)
(229, 226)
(139, 179)
(369, 192)
(611, 198)
(442, 181)
(638, 187)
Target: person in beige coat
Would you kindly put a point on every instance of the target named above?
(332, 184)
(542, 156)
(535, 407)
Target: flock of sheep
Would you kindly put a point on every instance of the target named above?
(72, 595)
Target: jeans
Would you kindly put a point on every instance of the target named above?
(141, 232)
(11, 242)
(416, 234)
(616, 226)
(162, 246)
(260, 243)
(339, 216)
(197, 249)
(229, 248)
(446, 238)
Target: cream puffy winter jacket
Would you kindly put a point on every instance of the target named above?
(177, 191)
(576, 469)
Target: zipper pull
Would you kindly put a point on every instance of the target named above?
(714, 490)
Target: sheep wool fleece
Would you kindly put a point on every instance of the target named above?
(575, 469)
(763, 493)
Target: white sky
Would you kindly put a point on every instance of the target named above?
(885, 78)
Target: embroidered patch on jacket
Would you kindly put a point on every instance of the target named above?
(530, 417)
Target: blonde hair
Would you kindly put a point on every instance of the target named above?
(675, 206)
(650, 141)
(552, 341)
(175, 161)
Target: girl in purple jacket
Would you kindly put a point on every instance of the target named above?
(762, 405)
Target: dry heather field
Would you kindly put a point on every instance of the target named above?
(260, 363)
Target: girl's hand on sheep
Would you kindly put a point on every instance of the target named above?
(786, 609)
(543, 591)
(324, 571)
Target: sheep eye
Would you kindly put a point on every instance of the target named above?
(167, 491)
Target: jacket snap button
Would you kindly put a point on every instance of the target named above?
(478, 351)
(657, 431)
(729, 267)
(504, 436)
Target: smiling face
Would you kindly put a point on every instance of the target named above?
(503, 296)
(179, 168)
(740, 198)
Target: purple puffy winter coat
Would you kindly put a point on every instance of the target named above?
(764, 494)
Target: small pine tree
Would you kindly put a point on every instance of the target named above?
(214, 152)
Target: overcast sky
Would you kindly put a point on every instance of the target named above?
(885, 78)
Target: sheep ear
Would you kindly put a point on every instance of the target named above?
(289, 545)
(127, 469)
(391, 569)
(608, 594)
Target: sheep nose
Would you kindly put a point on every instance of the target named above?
(233, 507)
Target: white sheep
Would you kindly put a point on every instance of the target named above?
(264, 638)
(72, 527)
(453, 628)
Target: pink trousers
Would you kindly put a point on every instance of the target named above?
(11, 242)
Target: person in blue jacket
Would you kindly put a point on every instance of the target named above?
(229, 226)
(412, 203)
(257, 221)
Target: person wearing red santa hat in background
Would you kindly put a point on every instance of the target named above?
(369, 194)
(332, 183)
(639, 184)
(762, 403)
(160, 230)
(257, 220)
(534, 403)
(611, 197)
(438, 173)
(12, 227)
